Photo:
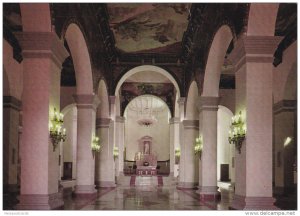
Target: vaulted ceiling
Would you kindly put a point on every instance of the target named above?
(148, 27)
(175, 37)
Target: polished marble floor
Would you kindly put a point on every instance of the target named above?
(147, 198)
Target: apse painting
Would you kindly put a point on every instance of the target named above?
(148, 27)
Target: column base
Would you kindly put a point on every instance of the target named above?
(208, 193)
(105, 184)
(85, 191)
(253, 203)
(186, 185)
(40, 202)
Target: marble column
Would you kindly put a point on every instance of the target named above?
(120, 144)
(105, 175)
(112, 131)
(11, 114)
(181, 105)
(284, 126)
(174, 143)
(208, 115)
(188, 159)
(43, 55)
(85, 167)
(253, 58)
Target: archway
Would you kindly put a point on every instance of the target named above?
(215, 61)
(68, 148)
(147, 115)
(189, 161)
(81, 59)
(262, 19)
(150, 68)
(208, 114)
(225, 155)
(86, 105)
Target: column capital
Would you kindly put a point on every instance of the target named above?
(254, 49)
(208, 103)
(285, 106)
(174, 120)
(86, 101)
(120, 119)
(103, 122)
(190, 124)
(42, 45)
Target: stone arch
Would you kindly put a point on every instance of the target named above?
(67, 108)
(191, 106)
(169, 111)
(81, 59)
(146, 68)
(154, 69)
(262, 19)
(215, 61)
(103, 108)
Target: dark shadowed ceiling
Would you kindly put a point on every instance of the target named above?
(175, 37)
(147, 27)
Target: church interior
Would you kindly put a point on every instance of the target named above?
(149, 106)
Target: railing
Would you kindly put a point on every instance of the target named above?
(163, 167)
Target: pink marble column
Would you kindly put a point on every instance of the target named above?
(208, 113)
(253, 57)
(105, 175)
(188, 159)
(85, 169)
(43, 55)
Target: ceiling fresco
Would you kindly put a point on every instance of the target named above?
(148, 27)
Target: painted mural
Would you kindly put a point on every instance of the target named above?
(147, 27)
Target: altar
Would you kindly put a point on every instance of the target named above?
(146, 160)
(146, 170)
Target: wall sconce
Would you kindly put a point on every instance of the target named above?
(57, 132)
(237, 131)
(287, 141)
(95, 145)
(198, 146)
(177, 155)
(116, 152)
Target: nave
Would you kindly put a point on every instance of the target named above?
(148, 198)
(161, 198)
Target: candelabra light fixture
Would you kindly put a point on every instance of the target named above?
(96, 146)
(198, 146)
(177, 155)
(57, 132)
(237, 131)
(116, 152)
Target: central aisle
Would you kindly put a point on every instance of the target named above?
(147, 198)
